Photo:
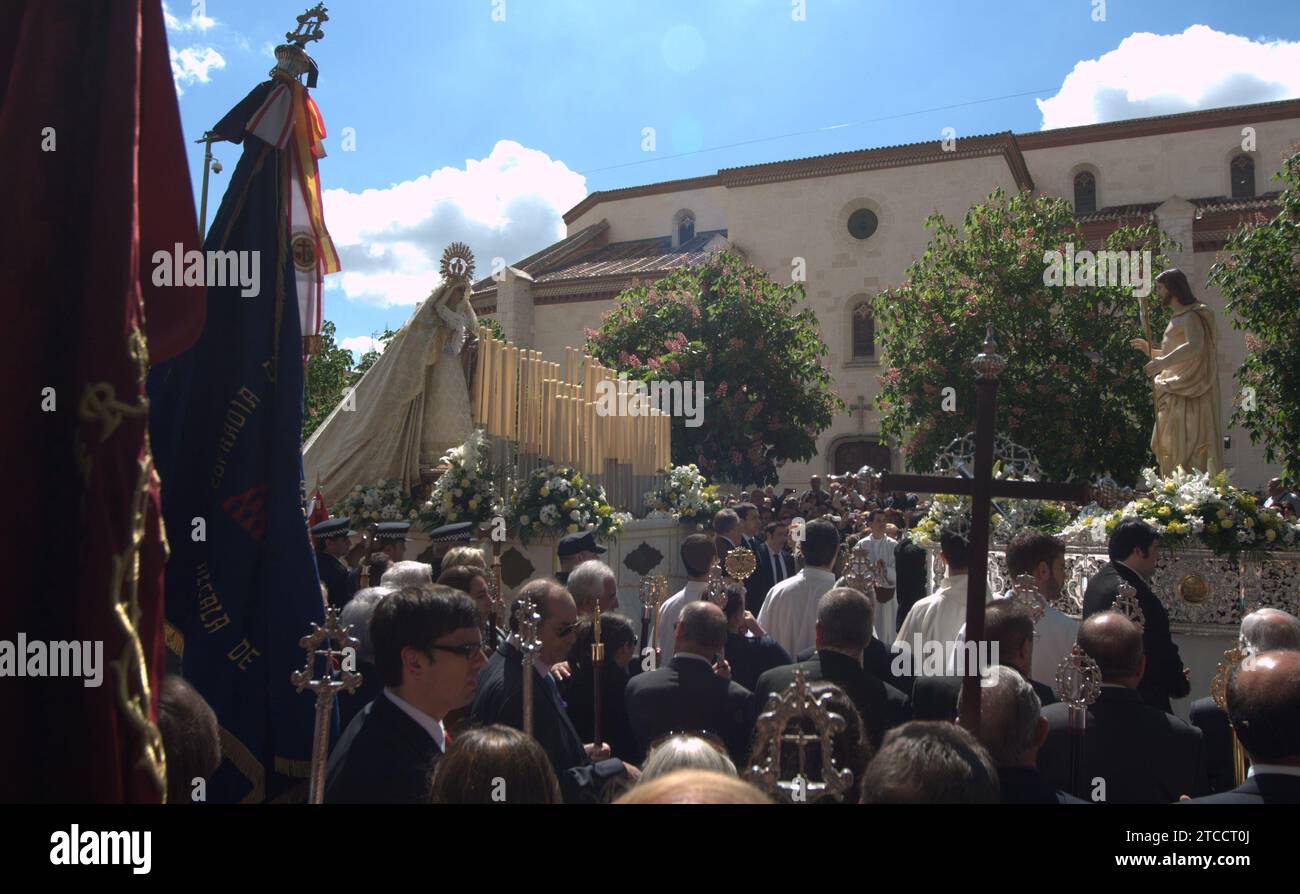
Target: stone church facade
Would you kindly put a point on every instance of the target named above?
(857, 219)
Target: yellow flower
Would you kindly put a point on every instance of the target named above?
(1227, 523)
(570, 503)
(545, 491)
(1270, 535)
(1211, 528)
(1177, 528)
(573, 529)
(1163, 512)
(577, 479)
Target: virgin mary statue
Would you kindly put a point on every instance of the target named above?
(413, 405)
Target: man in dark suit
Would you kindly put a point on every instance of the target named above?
(1009, 626)
(750, 652)
(749, 526)
(1133, 549)
(428, 650)
(726, 532)
(356, 617)
(1263, 630)
(1012, 728)
(331, 538)
(687, 695)
(1264, 704)
(1140, 754)
(774, 563)
(844, 618)
(582, 768)
(910, 566)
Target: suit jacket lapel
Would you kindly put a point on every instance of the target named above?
(404, 729)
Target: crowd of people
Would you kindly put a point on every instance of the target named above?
(439, 718)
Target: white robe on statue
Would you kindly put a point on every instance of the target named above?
(412, 405)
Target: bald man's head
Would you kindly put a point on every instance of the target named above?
(1115, 643)
(702, 629)
(1267, 629)
(1264, 706)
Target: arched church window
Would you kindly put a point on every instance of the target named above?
(1085, 193)
(685, 227)
(864, 332)
(1243, 177)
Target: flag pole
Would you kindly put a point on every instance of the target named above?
(210, 162)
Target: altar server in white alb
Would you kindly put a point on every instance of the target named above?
(878, 548)
(789, 613)
(1042, 557)
(939, 617)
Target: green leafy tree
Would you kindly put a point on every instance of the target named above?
(1260, 279)
(492, 324)
(767, 394)
(1073, 390)
(328, 373)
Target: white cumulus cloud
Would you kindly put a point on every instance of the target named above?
(507, 205)
(360, 344)
(192, 65)
(198, 20)
(1161, 74)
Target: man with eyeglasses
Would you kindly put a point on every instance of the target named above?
(428, 651)
(583, 769)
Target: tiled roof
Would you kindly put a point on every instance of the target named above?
(1224, 204)
(1215, 204)
(1118, 212)
(635, 257)
(1129, 128)
(1009, 144)
(549, 255)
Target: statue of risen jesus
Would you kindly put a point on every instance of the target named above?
(1185, 378)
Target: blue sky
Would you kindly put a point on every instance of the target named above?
(485, 130)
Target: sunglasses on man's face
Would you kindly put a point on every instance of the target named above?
(466, 651)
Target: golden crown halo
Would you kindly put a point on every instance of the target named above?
(457, 263)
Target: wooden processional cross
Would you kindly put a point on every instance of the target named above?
(982, 488)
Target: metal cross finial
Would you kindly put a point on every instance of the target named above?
(1126, 603)
(1078, 679)
(1024, 592)
(530, 643)
(308, 26)
(1232, 658)
(796, 706)
(338, 676)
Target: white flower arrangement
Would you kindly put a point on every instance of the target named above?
(556, 500)
(385, 501)
(467, 490)
(1193, 509)
(686, 496)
